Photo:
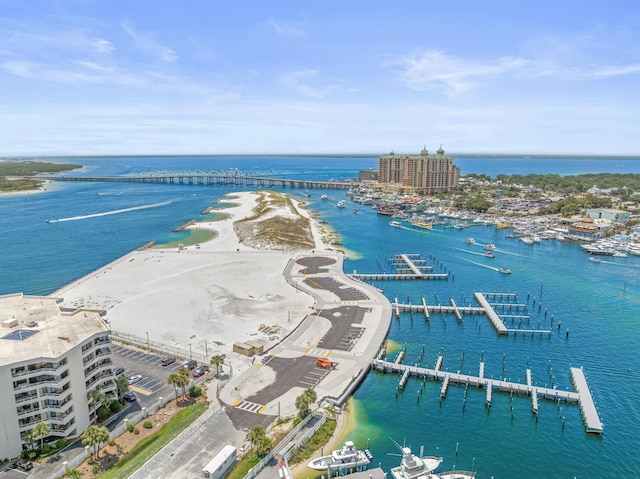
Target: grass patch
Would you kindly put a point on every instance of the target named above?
(149, 446)
(243, 466)
(315, 442)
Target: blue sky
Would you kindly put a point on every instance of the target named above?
(216, 77)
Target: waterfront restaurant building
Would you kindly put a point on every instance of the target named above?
(50, 361)
(422, 174)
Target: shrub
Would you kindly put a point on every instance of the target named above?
(73, 473)
(115, 406)
(46, 448)
(103, 413)
(130, 427)
(61, 443)
(147, 425)
(195, 391)
(96, 468)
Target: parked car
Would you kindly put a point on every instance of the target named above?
(167, 361)
(24, 465)
(117, 371)
(134, 379)
(200, 370)
(191, 364)
(129, 396)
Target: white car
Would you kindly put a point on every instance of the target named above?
(134, 379)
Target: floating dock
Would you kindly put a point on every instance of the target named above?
(408, 266)
(582, 395)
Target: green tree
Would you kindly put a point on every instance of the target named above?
(93, 436)
(40, 431)
(263, 445)
(122, 384)
(174, 379)
(255, 435)
(304, 401)
(217, 361)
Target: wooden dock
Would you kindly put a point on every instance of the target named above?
(582, 395)
(408, 266)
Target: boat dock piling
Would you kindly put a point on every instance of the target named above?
(582, 395)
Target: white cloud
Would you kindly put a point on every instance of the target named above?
(147, 43)
(285, 29)
(435, 70)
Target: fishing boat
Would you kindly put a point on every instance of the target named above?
(343, 459)
(342, 203)
(414, 467)
(504, 270)
(395, 224)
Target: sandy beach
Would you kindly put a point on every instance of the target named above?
(200, 300)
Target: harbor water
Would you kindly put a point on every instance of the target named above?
(592, 309)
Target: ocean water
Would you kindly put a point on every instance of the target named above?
(599, 304)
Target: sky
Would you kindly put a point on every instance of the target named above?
(83, 77)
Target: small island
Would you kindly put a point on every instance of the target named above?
(14, 175)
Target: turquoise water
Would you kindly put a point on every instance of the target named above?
(599, 303)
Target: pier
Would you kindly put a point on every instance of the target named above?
(407, 266)
(581, 396)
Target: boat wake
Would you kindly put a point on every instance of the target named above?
(107, 213)
(483, 265)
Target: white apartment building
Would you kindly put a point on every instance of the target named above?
(50, 360)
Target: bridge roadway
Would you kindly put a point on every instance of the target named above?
(207, 179)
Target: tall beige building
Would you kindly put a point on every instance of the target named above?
(50, 361)
(423, 173)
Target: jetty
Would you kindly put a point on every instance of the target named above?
(581, 395)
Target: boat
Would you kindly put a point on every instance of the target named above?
(456, 475)
(489, 254)
(490, 247)
(414, 467)
(324, 197)
(526, 240)
(504, 270)
(356, 210)
(342, 203)
(422, 224)
(395, 224)
(343, 459)
(594, 260)
(470, 241)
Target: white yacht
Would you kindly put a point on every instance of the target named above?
(345, 459)
(342, 203)
(414, 467)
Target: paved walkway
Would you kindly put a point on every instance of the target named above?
(349, 324)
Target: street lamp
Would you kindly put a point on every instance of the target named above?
(148, 347)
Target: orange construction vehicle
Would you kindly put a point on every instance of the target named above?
(325, 363)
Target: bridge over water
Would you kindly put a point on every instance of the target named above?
(209, 180)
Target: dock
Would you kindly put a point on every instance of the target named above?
(581, 395)
(588, 407)
(407, 266)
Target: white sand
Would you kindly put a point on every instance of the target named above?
(199, 300)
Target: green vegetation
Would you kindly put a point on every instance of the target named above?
(27, 168)
(304, 402)
(319, 439)
(149, 446)
(575, 183)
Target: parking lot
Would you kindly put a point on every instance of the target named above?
(153, 384)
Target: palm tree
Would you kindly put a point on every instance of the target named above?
(184, 379)
(263, 445)
(96, 397)
(304, 401)
(255, 434)
(122, 384)
(173, 379)
(40, 431)
(93, 436)
(217, 361)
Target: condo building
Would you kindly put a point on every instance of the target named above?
(422, 174)
(50, 361)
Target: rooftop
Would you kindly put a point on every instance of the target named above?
(34, 326)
